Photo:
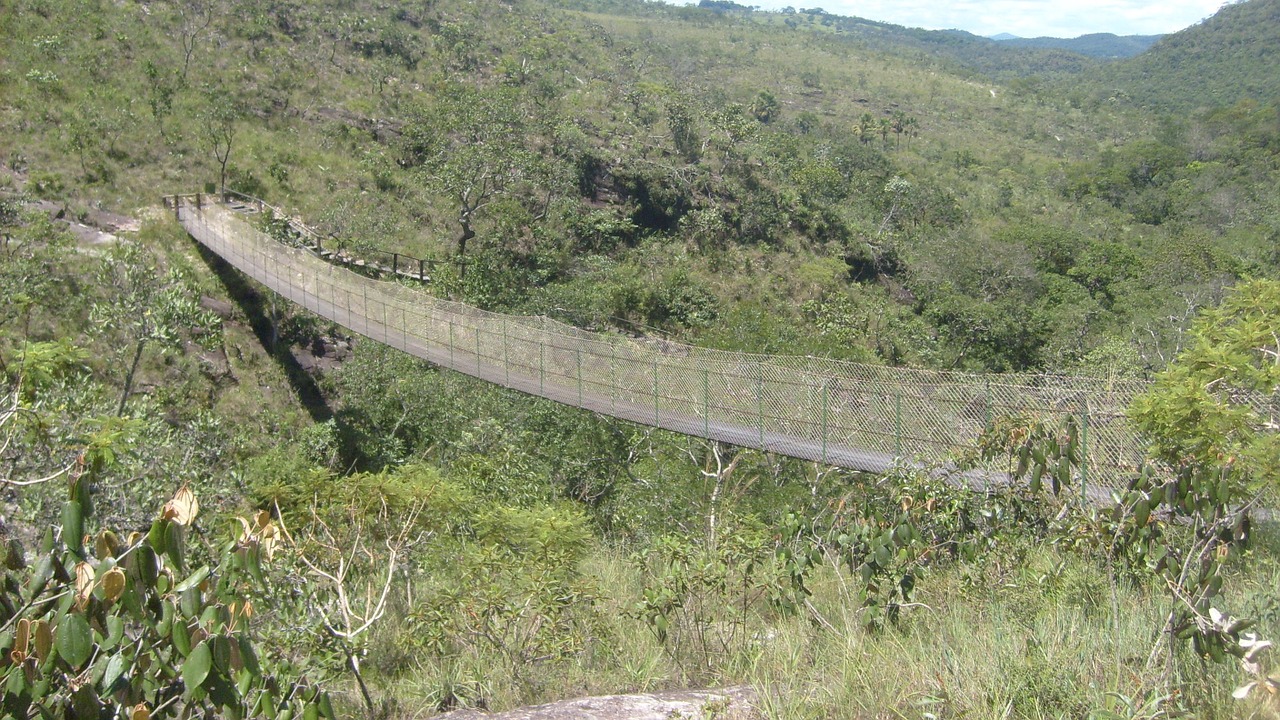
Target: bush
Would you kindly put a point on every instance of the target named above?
(126, 627)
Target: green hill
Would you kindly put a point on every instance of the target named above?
(727, 177)
(956, 50)
(1225, 59)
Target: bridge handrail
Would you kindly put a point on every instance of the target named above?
(839, 412)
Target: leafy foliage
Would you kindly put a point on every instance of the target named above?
(126, 627)
(1210, 409)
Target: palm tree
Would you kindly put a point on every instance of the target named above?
(899, 125)
(865, 127)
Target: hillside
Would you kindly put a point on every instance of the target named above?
(218, 504)
(724, 143)
(955, 50)
(1219, 62)
(1098, 45)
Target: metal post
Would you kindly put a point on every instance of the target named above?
(542, 365)
(578, 352)
(826, 403)
(706, 403)
(395, 264)
(613, 377)
(422, 276)
(177, 208)
(506, 364)
(452, 364)
(760, 401)
(655, 392)
(477, 350)
(1084, 452)
(197, 201)
(986, 384)
(897, 425)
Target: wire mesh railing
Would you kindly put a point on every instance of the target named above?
(859, 416)
(332, 248)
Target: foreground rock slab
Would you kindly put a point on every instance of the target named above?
(736, 703)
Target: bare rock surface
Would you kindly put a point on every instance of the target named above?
(99, 227)
(735, 703)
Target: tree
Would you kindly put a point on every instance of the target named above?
(471, 147)
(146, 308)
(900, 123)
(765, 107)
(218, 121)
(684, 133)
(194, 18)
(160, 92)
(1215, 405)
(354, 585)
(865, 128)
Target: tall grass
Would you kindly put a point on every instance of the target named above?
(1029, 633)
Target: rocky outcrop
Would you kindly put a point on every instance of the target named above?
(736, 703)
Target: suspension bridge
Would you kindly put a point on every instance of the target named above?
(862, 417)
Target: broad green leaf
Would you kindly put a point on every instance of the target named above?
(181, 637)
(43, 572)
(115, 632)
(73, 526)
(221, 646)
(156, 536)
(15, 684)
(882, 556)
(1142, 512)
(85, 702)
(176, 546)
(194, 579)
(190, 602)
(74, 640)
(116, 668)
(248, 656)
(195, 670)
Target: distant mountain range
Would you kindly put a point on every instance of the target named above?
(1218, 62)
(1000, 58)
(1098, 45)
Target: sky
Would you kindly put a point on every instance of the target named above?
(1024, 18)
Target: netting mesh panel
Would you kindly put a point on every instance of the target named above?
(850, 414)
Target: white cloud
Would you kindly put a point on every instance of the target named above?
(1025, 18)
